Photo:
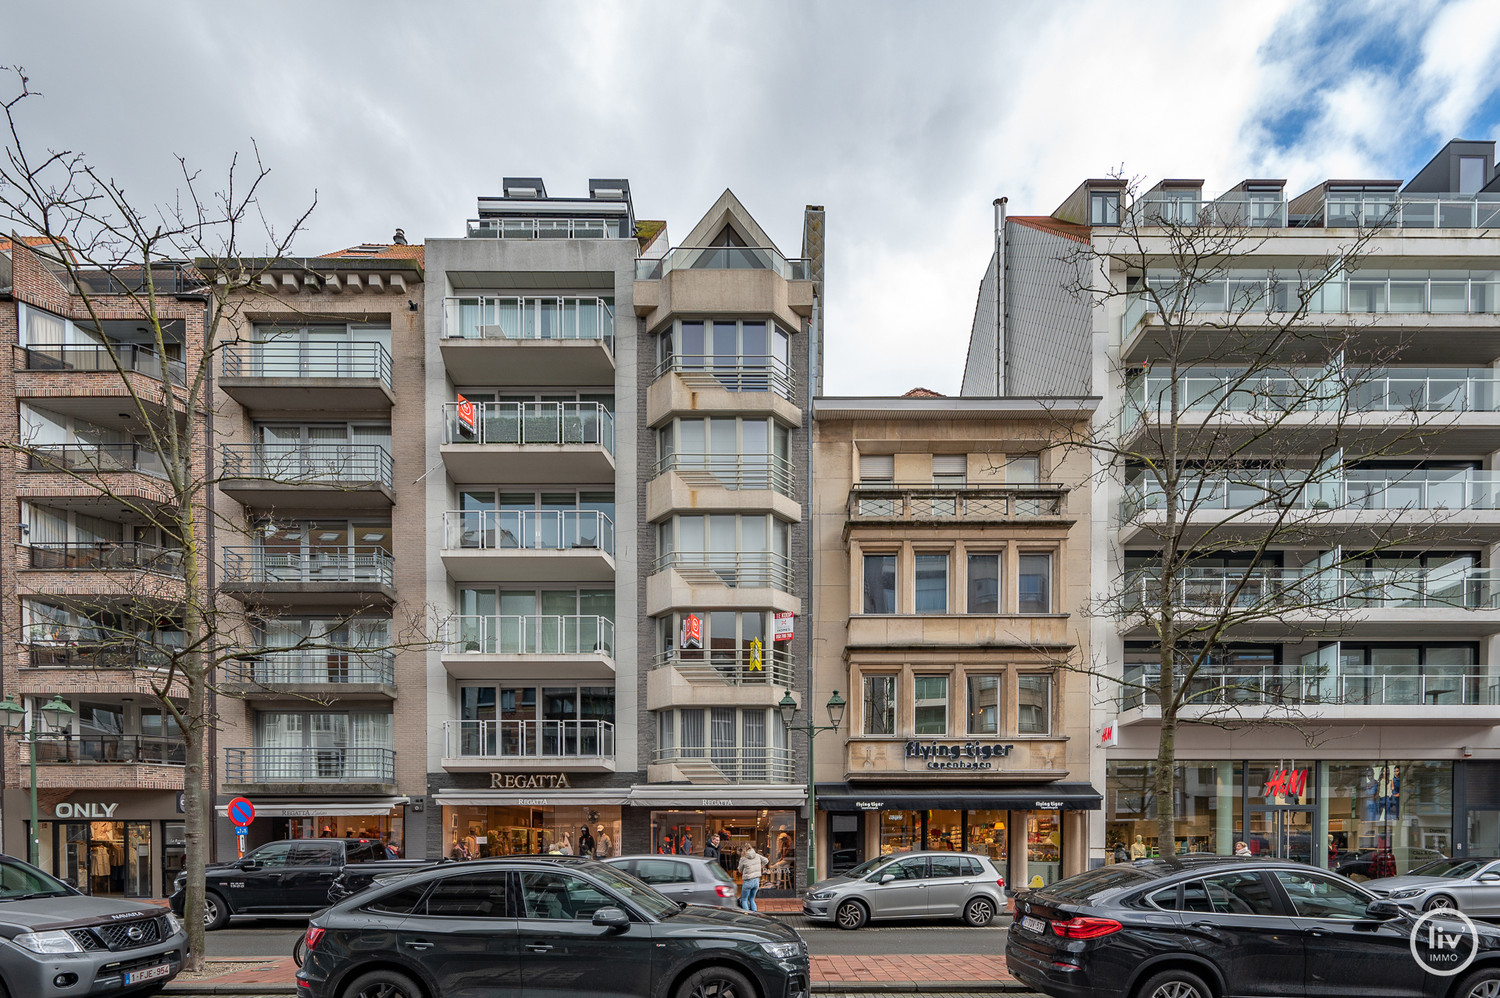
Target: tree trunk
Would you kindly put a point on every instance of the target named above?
(195, 734)
(1163, 777)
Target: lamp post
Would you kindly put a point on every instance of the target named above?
(51, 716)
(788, 708)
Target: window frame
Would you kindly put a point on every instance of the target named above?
(931, 557)
(916, 727)
(1047, 712)
(999, 706)
(895, 587)
(892, 679)
(1048, 590)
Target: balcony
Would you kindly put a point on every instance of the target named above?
(735, 569)
(585, 746)
(721, 765)
(535, 442)
(286, 770)
(87, 750)
(76, 459)
(723, 258)
(530, 341)
(348, 578)
(308, 377)
(1228, 211)
(1330, 694)
(335, 476)
(50, 646)
(316, 674)
(725, 483)
(541, 228)
(730, 677)
(1406, 211)
(126, 358)
(580, 646)
(529, 545)
(103, 556)
(968, 504)
(747, 374)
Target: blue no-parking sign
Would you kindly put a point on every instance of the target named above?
(241, 812)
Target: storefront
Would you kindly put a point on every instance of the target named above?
(125, 843)
(767, 817)
(382, 819)
(477, 824)
(1035, 834)
(1362, 818)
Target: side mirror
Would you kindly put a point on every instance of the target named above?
(888, 878)
(1382, 909)
(248, 864)
(1490, 878)
(611, 918)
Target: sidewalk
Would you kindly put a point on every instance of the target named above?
(926, 972)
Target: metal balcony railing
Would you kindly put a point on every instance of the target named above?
(1229, 211)
(99, 458)
(345, 465)
(1315, 390)
(268, 565)
(1277, 685)
(730, 765)
(1319, 591)
(310, 765)
(104, 555)
(1418, 489)
(166, 277)
(62, 646)
(722, 258)
(278, 359)
(488, 317)
(532, 424)
(149, 750)
(529, 739)
(541, 228)
(317, 666)
(735, 374)
(529, 530)
(954, 502)
(1408, 211)
(130, 357)
(734, 569)
(535, 634)
(732, 666)
(731, 471)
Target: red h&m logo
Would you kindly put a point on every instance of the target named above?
(1286, 783)
(466, 414)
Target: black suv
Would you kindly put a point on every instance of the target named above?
(1210, 927)
(548, 926)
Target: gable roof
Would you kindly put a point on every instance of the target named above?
(379, 251)
(923, 393)
(728, 211)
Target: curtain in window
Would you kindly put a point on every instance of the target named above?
(721, 736)
(692, 733)
(754, 741)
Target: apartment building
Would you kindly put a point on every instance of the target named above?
(321, 539)
(1392, 755)
(613, 428)
(952, 560)
(91, 588)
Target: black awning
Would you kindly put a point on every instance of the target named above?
(841, 797)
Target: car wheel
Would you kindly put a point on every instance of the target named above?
(1481, 984)
(1438, 901)
(1174, 984)
(215, 912)
(851, 915)
(715, 982)
(383, 984)
(979, 912)
(299, 950)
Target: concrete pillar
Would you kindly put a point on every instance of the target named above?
(1016, 827)
(1224, 795)
(1075, 847)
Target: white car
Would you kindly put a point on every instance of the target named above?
(1470, 885)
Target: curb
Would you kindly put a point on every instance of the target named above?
(820, 987)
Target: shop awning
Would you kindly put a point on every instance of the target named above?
(610, 797)
(697, 796)
(842, 797)
(319, 809)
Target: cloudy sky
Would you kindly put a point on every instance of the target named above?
(904, 120)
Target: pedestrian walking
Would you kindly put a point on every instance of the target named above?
(752, 864)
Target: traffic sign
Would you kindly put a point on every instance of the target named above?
(241, 812)
(239, 839)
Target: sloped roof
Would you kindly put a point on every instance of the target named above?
(728, 210)
(923, 393)
(1055, 226)
(5, 242)
(646, 230)
(379, 251)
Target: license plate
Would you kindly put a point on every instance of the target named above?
(149, 974)
(1033, 924)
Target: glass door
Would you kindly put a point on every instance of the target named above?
(1280, 833)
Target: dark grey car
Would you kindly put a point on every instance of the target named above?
(694, 879)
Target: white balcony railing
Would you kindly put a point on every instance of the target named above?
(566, 740)
(732, 666)
(541, 228)
(1319, 591)
(532, 424)
(730, 765)
(528, 530)
(493, 317)
(1272, 685)
(535, 634)
(1314, 390)
(1357, 489)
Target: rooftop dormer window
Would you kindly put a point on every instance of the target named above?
(1104, 207)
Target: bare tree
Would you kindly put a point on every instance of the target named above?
(1253, 404)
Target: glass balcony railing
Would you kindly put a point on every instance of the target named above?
(334, 464)
(733, 374)
(1228, 211)
(771, 666)
(954, 502)
(730, 765)
(532, 423)
(1358, 489)
(104, 556)
(307, 360)
(1319, 591)
(541, 228)
(121, 357)
(1409, 211)
(51, 645)
(570, 739)
(722, 258)
(1301, 685)
(488, 317)
(528, 530)
(532, 634)
(256, 565)
(1315, 390)
(736, 569)
(317, 666)
(731, 471)
(98, 458)
(310, 765)
(141, 750)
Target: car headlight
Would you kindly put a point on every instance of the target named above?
(48, 942)
(1410, 892)
(174, 924)
(179, 883)
(782, 951)
(820, 895)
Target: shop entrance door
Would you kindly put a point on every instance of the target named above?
(1280, 833)
(1484, 832)
(844, 837)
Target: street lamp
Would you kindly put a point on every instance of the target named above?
(788, 708)
(52, 716)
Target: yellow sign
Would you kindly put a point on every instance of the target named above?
(755, 656)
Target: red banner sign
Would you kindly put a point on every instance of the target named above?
(466, 414)
(692, 631)
(1287, 783)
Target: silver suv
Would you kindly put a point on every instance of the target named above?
(55, 941)
(910, 885)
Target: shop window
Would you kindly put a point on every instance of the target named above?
(773, 833)
(985, 834)
(1033, 705)
(932, 583)
(930, 700)
(880, 705)
(945, 831)
(1043, 847)
(1386, 817)
(1034, 583)
(900, 831)
(983, 584)
(1208, 816)
(478, 896)
(984, 704)
(880, 583)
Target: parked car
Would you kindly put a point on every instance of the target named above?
(1359, 865)
(544, 925)
(911, 885)
(56, 941)
(291, 877)
(1199, 927)
(1470, 885)
(694, 879)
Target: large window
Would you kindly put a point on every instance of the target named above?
(932, 583)
(930, 705)
(1034, 705)
(740, 550)
(746, 356)
(880, 705)
(880, 583)
(736, 453)
(745, 745)
(1034, 583)
(530, 720)
(984, 583)
(984, 704)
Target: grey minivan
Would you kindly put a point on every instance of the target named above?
(694, 879)
(910, 885)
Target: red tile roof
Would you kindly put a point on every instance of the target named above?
(1057, 227)
(923, 393)
(379, 251)
(28, 240)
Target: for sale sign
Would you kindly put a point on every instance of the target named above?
(781, 627)
(465, 414)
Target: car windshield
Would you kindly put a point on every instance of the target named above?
(17, 880)
(1453, 869)
(647, 899)
(868, 866)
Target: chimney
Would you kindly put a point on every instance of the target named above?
(400, 237)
